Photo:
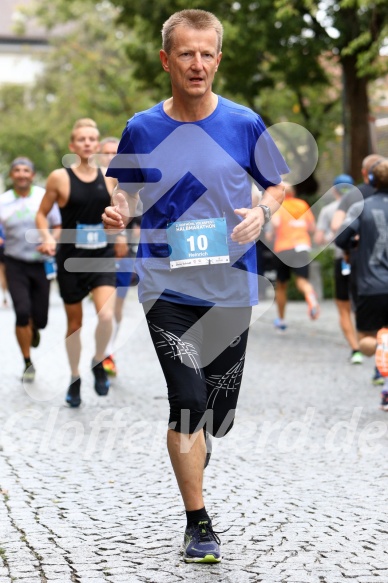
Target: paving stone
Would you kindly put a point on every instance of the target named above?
(91, 491)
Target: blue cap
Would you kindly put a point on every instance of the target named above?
(343, 183)
(343, 179)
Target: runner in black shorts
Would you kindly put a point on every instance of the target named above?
(291, 230)
(84, 256)
(3, 278)
(364, 190)
(28, 285)
(208, 389)
(345, 301)
(197, 261)
(368, 221)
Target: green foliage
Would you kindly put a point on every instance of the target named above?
(87, 74)
(326, 261)
(280, 58)
(260, 51)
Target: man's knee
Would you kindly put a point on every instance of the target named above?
(22, 319)
(186, 420)
(222, 424)
(105, 316)
(40, 322)
(73, 326)
(190, 421)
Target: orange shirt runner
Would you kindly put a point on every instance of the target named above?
(293, 222)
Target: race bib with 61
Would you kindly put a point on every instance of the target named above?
(198, 242)
(90, 236)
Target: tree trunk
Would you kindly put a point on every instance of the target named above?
(357, 132)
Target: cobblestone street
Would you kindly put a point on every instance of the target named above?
(88, 495)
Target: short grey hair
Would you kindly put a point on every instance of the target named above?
(370, 160)
(193, 18)
(109, 140)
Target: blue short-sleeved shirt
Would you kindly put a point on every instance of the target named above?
(191, 171)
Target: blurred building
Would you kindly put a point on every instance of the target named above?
(379, 109)
(20, 55)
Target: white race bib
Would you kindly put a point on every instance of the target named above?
(198, 242)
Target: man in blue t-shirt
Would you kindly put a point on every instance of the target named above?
(194, 158)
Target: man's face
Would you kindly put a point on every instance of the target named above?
(107, 152)
(85, 142)
(22, 177)
(193, 61)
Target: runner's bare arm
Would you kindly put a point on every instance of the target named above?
(121, 244)
(111, 184)
(249, 229)
(337, 220)
(256, 195)
(51, 196)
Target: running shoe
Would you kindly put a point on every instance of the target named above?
(29, 373)
(377, 378)
(201, 544)
(313, 306)
(109, 366)
(73, 397)
(101, 383)
(209, 447)
(356, 357)
(384, 401)
(381, 354)
(280, 324)
(35, 340)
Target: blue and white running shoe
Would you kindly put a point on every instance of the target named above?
(201, 544)
(280, 324)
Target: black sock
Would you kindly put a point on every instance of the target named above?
(354, 351)
(27, 360)
(195, 516)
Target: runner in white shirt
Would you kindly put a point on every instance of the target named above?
(28, 284)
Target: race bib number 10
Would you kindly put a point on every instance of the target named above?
(198, 242)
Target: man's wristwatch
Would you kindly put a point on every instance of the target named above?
(267, 213)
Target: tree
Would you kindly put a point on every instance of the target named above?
(289, 45)
(87, 74)
(288, 60)
(353, 31)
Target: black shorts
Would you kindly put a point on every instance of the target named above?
(74, 287)
(372, 312)
(202, 362)
(291, 260)
(29, 289)
(341, 282)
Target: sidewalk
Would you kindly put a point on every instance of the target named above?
(88, 496)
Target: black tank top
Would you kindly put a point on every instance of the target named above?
(86, 203)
